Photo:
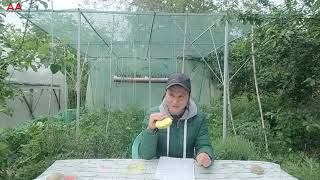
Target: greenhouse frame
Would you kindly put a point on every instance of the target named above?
(130, 55)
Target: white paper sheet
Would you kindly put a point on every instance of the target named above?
(175, 169)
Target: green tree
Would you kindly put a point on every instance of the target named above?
(14, 49)
(287, 54)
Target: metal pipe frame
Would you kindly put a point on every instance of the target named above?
(105, 42)
(184, 45)
(78, 78)
(139, 80)
(225, 83)
(202, 58)
(200, 35)
(149, 57)
(115, 12)
(215, 50)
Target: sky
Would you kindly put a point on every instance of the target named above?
(64, 4)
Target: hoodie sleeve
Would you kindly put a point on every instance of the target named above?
(203, 143)
(148, 144)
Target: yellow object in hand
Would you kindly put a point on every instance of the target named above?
(165, 123)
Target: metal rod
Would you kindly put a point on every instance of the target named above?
(136, 57)
(119, 12)
(134, 63)
(184, 41)
(105, 42)
(239, 69)
(201, 56)
(257, 89)
(149, 58)
(78, 78)
(174, 49)
(200, 35)
(31, 98)
(150, 35)
(65, 90)
(225, 82)
(51, 60)
(34, 84)
(121, 86)
(139, 80)
(124, 42)
(57, 98)
(85, 60)
(96, 82)
(230, 114)
(34, 24)
(110, 75)
(28, 106)
(110, 66)
(37, 102)
(216, 52)
(173, 55)
(92, 64)
(223, 45)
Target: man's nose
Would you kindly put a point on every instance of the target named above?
(175, 101)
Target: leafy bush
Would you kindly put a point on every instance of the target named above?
(213, 113)
(235, 148)
(286, 127)
(27, 151)
(299, 165)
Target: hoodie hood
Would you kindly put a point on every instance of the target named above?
(190, 111)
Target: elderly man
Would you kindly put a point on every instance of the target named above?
(187, 137)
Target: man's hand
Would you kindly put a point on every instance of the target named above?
(203, 160)
(155, 117)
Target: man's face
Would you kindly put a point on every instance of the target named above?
(176, 99)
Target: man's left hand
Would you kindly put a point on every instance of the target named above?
(203, 159)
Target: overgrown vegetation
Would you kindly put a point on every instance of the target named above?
(235, 147)
(287, 43)
(17, 50)
(285, 148)
(27, 151)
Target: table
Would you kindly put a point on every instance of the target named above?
(112, 169)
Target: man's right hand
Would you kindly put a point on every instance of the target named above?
(158, 116)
